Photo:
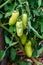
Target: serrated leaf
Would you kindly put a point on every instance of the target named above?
(12, 54)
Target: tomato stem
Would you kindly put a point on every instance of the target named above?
(5, 23)
(7, 49)
(38, 63)
(4, 4)
(38, 35)
(19, 41)
(5, 28)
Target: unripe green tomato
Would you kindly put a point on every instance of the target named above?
(23, 39)
(28, 49)
(24, 19)
(13, 18)
(19, 28)
(29, 43)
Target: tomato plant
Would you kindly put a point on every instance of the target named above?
(22, 24)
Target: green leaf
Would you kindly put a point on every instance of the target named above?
(35, 24)
(10, 9)
(12, 44)
(8, 14)
(24, 63)
(41, 13)
(39, 52)
(14, 27)
(2, 54)
(39, 2)
(0, 1)
(6, 7)
(35, 53)
(41, 22)
(7, 40)
(11, 28)
(1, 16)
(12, 54)
(36, 12)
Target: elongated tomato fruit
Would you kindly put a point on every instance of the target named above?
(19, 28)
(24, 19)
(23, 39)
(28, 49)
(13, 18)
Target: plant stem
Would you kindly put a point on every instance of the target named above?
(38, 35)
(19, 42)
(5, 28)
(12, 34)
(5, 23)
(4, 4)
(6, 50)
(38, 63)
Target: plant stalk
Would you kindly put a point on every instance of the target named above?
(4, 4)
(38, 35)
(5, 28)
(36, 62)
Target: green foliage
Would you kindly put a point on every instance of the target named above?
(12, 28)
(12, 54)
(24, 63)
(1, 55)
(39, 2)
(39, 52)
(7, 40)
(41, 22)
(35, 24)
(34, 27)
(1, 16)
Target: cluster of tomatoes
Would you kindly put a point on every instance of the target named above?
(21, 25)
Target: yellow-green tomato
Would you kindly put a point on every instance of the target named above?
(29, 43)
(23, 39)
(19, 28)
(28, 49)
(13, 18)
(24, 19)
